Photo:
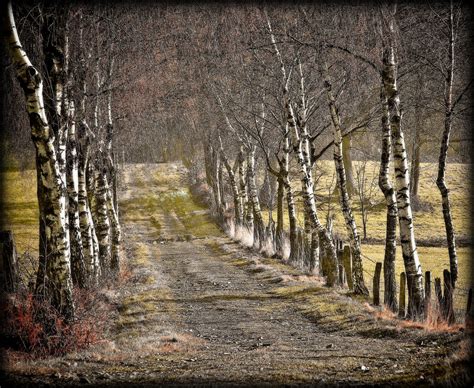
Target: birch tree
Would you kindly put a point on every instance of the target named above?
(354, 238)
(405, 218)
(390, 287)
(443, 153)
(301, 149)
(52, 197)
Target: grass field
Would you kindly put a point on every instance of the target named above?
(21, 216)
(428, 220)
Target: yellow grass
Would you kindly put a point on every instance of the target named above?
(21, 208)
(434, 259)
(428, 224)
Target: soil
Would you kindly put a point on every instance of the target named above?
(202, 310)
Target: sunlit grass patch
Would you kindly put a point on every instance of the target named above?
(433, 259)
(20, 206)
(194, 217)
(429, 224)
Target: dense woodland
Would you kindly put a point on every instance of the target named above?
(251, 98)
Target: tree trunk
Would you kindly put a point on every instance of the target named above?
(116, 233)
(57, 280)
(242, 185)
(238, 211)
(405, 219)
(348, 167)
(103, 220)
(280, 214)
(415, 160)
(443, 155)
(216, 188)
(357, 269)
(77, 256)
(290, 198)
(88, 235)
(390, 287)
(259, 225)
(301, 149)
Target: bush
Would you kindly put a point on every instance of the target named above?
(34, 326)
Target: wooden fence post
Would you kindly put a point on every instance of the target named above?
(427, 293)
(376, 288)
(347, 264)
(8, 262)
(469, 301)
(469, 314)
(340, 254)
(439, 294)
(448, 308)
(401, 301)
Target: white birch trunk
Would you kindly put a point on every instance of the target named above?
(57, 275)
(390, 286)
(259, 225)
(102, 224)
(88, 235)
(116, 233)
(346, 207)
(443, 155)
(301, 147)
(407, 236)
(238, 210)
(72, 178)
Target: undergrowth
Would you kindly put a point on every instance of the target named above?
(35, 329)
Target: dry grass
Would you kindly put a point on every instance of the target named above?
(21, 208)
(434, 321)
(429, 223)
(434, 259)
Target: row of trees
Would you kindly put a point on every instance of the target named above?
(68, 95)
(294, 81)
(268, 92)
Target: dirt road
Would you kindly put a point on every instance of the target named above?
(204, 310)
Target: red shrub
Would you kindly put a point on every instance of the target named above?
(34, 326)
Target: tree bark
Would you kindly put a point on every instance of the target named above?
(348, 167)
(242, 185)
(238, 211)
(443, 155)
(57, 283)
(103, 220)
(415, 160)
(354, 239)
(290, 197)
(77, 256)
(116, 232)
(280, 214)
(258, 224)
(405, 218)
(390, 287)
(90, 244)
(301, 148)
